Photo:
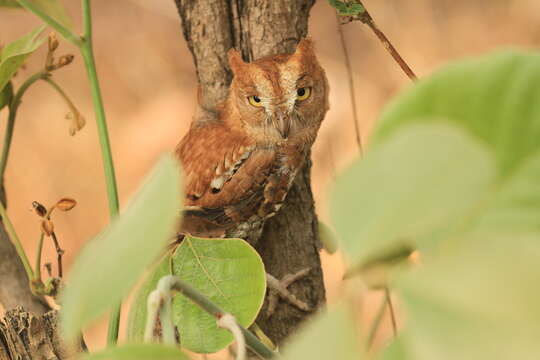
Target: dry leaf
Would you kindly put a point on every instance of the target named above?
(66, 204)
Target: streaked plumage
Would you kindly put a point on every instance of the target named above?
(239, 167)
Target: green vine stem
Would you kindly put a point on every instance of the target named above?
(170, 282)
(13, 107)
(38, 257)
(65, 32)
(85, 46)
(110, 178)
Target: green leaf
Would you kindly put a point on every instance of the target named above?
(138, 352)
(478, 300)
(6, 94)
(15, 53)
(52, 8)
(330, 335)
(227, 271)
(496, 99)
(9, 3)
(347, 9)
(110, 264)
(394, 351)
(406, 189)
(138, 313)
(328, 238)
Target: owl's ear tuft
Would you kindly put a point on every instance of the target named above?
(235, 61)
(304, 47)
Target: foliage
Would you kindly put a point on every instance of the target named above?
(138, 352)
(231, 274)
(464, 191)
(347, 8)
(453, 172)
(110, 264)
(15, 53)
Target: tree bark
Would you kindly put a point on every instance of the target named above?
(290, 240)
(14, 284)
(29, 337)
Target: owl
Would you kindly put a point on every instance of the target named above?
(239, 165)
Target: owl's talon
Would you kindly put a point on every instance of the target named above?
(278, 289)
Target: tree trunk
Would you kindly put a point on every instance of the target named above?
(290, 240)
(26, 336)
(14, 285)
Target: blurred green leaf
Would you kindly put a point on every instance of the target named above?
(494, 98)
(15, 53)
(138, 310)
(6, 94)
(406, 189)
(138, 352)
(52, 8)
(347, 9)
(9, 3)
(393, 351)
(230, 273)
(328, 238)
(111, 263)
(331, 334)
(478, 300)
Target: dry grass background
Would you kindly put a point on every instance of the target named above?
(149, 85)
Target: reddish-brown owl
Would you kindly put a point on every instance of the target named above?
(239, 166)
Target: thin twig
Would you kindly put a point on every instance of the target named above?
(351, 84)
(366, 18)
(376, 323)
(59, 253)
(388, 299)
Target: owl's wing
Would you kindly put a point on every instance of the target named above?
(228, 179)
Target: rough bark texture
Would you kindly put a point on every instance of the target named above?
(258, 28)
(24, 336)
(14, 285)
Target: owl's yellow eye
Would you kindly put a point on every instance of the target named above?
(303, 93)
(255, 100)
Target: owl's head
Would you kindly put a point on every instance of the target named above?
(279, 97)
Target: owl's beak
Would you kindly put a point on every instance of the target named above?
(283, 123)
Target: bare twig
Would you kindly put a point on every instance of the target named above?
(366, 18)
(351, 84)
(388, 299)
(278, 289)
(59, 253)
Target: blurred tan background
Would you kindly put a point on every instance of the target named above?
(149, 85)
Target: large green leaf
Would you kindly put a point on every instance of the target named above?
(138, 352)
(111, 263)
(138, 310)
(478, 300)
(331, 335)
(231, 274)
(51, 8)
(495, 98)
(15, 53)
(407, 189)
